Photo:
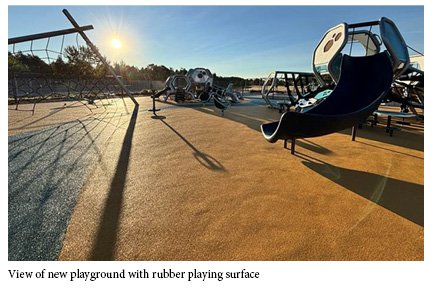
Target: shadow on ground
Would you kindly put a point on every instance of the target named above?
(403, 198)
(204, 159)
(105, 242)
(47, 170)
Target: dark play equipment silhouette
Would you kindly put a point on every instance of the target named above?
(350, 103)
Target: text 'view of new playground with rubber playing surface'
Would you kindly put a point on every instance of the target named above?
(161, 137)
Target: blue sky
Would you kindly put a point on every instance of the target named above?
(246, 41)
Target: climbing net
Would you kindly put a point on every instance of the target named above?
(52, 67)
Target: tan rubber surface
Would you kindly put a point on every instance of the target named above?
(193, 185)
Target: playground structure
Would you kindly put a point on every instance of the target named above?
(336, 113)
(179, 86)
(352, 101)
(344, 38)
(408, 88)
(234, 95)
(197, 84)
(408, 85)
(200, 78)
(36, 86)
(289, 89)
(189, 86)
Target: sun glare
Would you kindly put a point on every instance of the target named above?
(116, 43)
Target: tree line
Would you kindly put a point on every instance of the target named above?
(81, 62)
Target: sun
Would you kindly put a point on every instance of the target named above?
(116, 43)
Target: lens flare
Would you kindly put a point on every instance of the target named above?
(116, 43)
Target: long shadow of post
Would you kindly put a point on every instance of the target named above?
(104, 246)
(403, 198)
(204, 159)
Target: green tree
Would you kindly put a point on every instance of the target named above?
(156, 72)
(27, 62)
(82, 61)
